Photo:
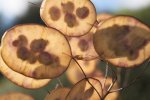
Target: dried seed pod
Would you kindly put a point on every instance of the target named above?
(83, 46)
(114, 95)
(105, 84)
(20, 79)
(42, 57)
(69, 16)
(123, 41)
(58, 94)
(15, 96)
(103, 16)
(84, 91)
(74, 72)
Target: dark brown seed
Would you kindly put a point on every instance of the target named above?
(68, 7)
(70, 19)
(32, 58)
(83, 45)
(23, 53)
(38, 45)
(55, 13)
(15, 43)
(57, 99)
(45, 58)
(82, 12)
(21, 41)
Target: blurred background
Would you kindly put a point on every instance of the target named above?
(13, 12)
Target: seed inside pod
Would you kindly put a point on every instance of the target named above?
(70, 19)
(21, 41)
(23, 53)
(38, 45)
(82, 13)
(55, 13)
(47, 58)
(83, 45)
(68, 7)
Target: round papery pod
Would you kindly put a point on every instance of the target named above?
(69, 16)
(57, 94)
(20, 79)
(84, 91)
(36, 51)
(103, 16)
(114, 95)
(83, 46)
(75, 74)
(15, 96)
(106, 84)
(123, 41)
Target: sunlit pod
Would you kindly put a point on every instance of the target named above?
(75, 74)
(114, 95)
(36, 51)
(15, 96)
(20, 79)
(71, 17)
(103, 16)
(106, 84)
(83, 46)
(83, 90)
(123, 41)
(58, 94)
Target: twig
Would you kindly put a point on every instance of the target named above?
(94, 88)
(106, 74)
(60, 82)
(119, 75)
(112, 84)
(34, 4)
(135, 79)
(127, 74)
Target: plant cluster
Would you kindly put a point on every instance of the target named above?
(74, 40)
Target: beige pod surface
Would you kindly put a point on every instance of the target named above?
(15, 96)
(20, 79)
(36, 51)
(123, 41)
(71, 17)
(84, 91)
(58, 94)
(74, 72)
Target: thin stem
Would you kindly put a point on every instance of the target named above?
(106, 74)
(116, 90)
(34, 4)
(86, 77)
(127, 75)
(48, 92)
(80, 67)
(60, 82)
(113, 82)
(57, 85)
(119, 75)
(135, 79)
(94, 88)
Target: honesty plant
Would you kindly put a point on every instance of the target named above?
(74, 40)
